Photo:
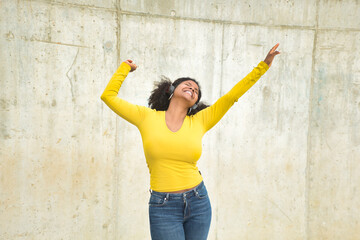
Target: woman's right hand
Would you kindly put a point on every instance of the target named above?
(131, 64)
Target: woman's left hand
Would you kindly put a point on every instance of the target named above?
(272, 53)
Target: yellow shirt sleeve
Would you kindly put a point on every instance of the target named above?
(128, 111)
(211, 115)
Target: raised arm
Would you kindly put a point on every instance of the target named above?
(130, 112)
(211, 115)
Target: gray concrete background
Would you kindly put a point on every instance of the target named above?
(282, 164)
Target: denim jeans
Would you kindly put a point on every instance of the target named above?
(180, 216)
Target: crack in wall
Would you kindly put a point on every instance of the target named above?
(308, 160)
(280, 209)
(10, 37)
(58, 43)
(70, 80)
(117, 143)
(218, 131)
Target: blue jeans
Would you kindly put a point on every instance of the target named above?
(180, 216)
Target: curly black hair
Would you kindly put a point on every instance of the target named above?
(159, 98)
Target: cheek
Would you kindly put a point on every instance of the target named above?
(196, 98)
(177, 92)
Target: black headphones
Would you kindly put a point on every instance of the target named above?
(193, 107)
(171, 89)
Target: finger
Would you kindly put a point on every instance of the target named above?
(275, 47)
(273, 54)
(129, 60)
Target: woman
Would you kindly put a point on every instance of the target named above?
(171, 131)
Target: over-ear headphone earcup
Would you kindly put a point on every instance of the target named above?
(171, 89)
(193, 107)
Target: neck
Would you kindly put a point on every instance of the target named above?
(176, 111)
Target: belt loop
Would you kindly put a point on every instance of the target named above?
(167, 196)
(197, 188)
(196, 192)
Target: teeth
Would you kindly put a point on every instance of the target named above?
(189, 92)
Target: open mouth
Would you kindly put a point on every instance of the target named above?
(189, 92)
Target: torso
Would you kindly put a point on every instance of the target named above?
(171, 155)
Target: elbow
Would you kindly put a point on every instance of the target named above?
(103, 97)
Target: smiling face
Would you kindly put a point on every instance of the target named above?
(187, 90)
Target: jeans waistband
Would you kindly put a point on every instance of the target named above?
(189, 193)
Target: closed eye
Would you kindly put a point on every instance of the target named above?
(196, 90)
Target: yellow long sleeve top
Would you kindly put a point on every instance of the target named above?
(172, 156)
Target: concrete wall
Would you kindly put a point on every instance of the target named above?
(282, 164)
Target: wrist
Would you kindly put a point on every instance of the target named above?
(265, 64)
(126, 67)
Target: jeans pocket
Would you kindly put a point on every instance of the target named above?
(157, 201)
(201, 193)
